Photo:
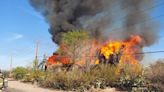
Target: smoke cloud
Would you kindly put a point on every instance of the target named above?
(99, 17)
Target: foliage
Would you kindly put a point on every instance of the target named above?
(155, 75)
(67, 80)
(28, 74)
(99, 77)
(34, 76)
(131, 78)
(73, 37)
(73, 43)
(105, 75)
(6, 74)
(128, 82)
(19, 72)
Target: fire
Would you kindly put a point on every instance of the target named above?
(124, 51)
(85, 53)
(111, 48)
(57, 59)
(117, 52)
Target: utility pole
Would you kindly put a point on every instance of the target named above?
(36, 56)
(36, 52)
(11, 62)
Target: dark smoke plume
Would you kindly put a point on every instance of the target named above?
(99, 17)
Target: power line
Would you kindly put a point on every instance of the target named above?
(146, 21)
(11, 63)
(144, 10)
(149, 8)
(148, 52)
(132, 25)
(151, 52)
(137, 11)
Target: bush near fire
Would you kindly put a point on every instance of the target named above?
(86, 35)
(112, 52)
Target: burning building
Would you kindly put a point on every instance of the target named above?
(117, 25)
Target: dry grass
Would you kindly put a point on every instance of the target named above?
(98, 77)
(155, 74)
(101, 77)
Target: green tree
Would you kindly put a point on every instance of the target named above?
(75, 42)
(75, 36)
(19, 72)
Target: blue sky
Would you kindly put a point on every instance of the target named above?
(21, 27)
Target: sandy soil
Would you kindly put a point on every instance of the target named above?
(16, 86)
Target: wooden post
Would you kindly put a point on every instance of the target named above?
(11, 64)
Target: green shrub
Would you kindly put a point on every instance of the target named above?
(105, 75)
(98, 77)
(128, 82)
(28, 75)
(131, 76)
(34, 76)
(66, 80)
(6, 74)
(155, 75)
(19, 73)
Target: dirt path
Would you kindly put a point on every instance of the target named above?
(16, 86)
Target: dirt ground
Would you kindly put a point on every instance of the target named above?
(16, 86)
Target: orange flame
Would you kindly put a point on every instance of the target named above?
(57, 59)
(127, 48)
